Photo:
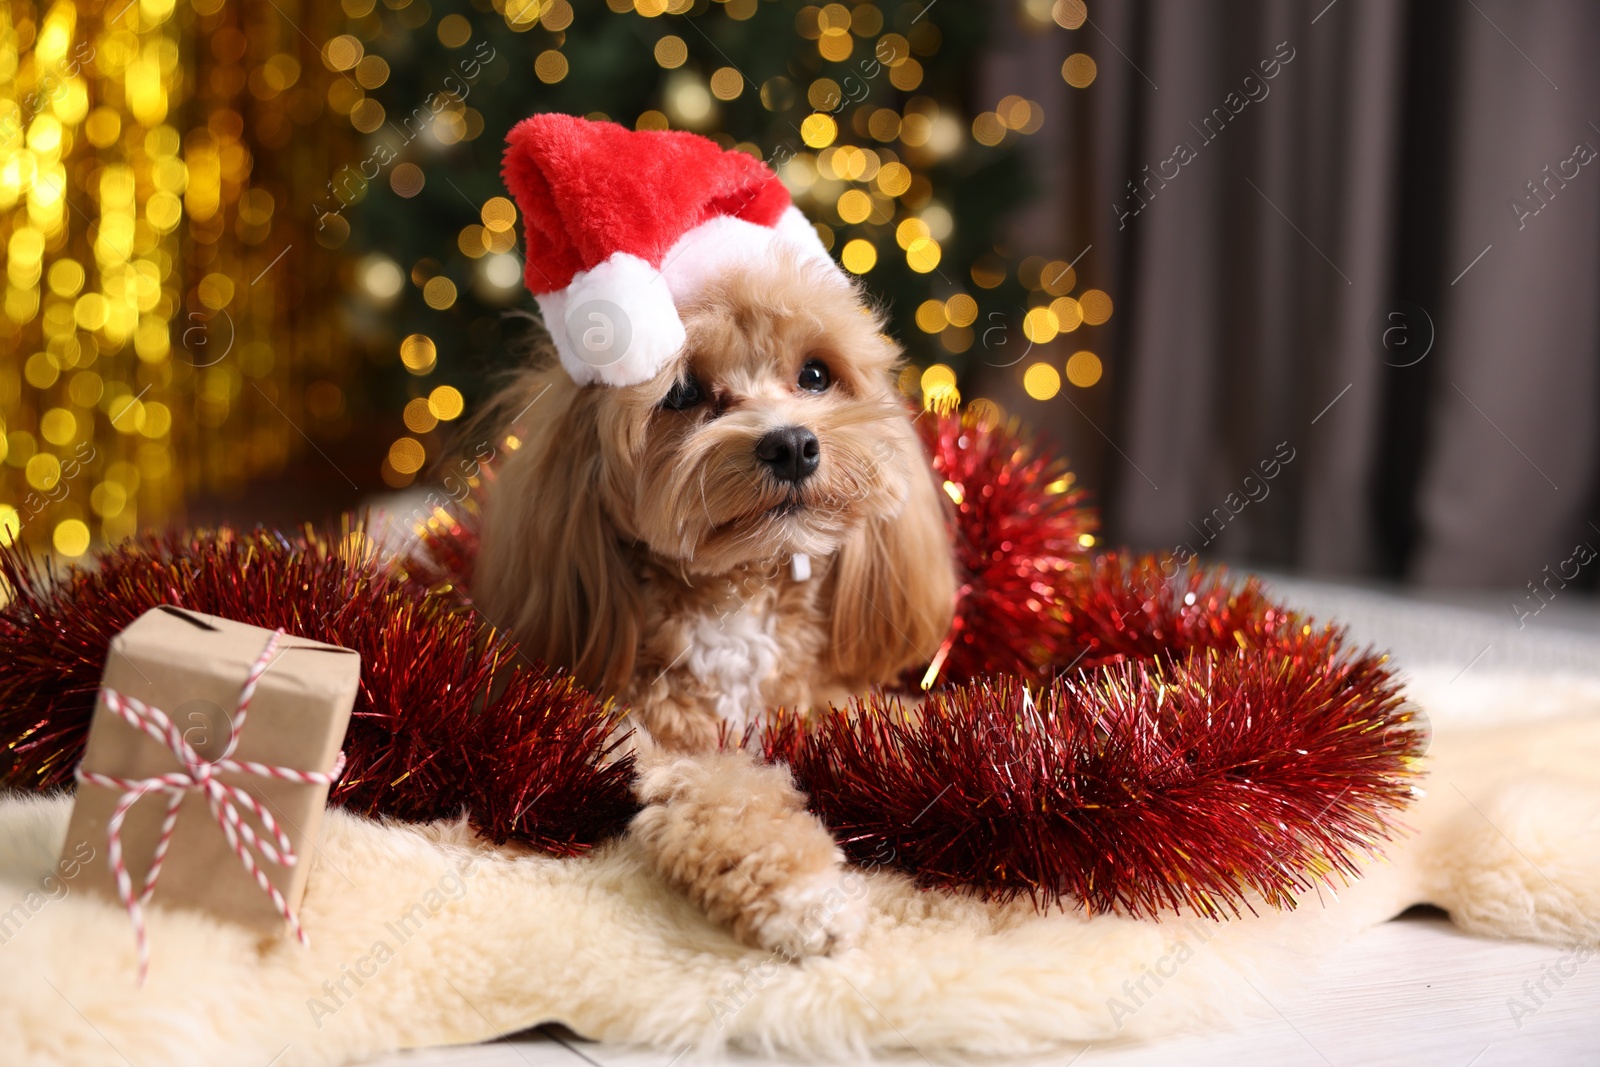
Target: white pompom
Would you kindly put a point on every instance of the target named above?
(621, 325)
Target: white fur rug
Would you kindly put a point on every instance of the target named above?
(420, 937)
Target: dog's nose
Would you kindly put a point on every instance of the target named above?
(790, 453)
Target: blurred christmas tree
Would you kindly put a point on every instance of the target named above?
(866, 113)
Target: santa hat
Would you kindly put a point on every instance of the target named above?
(624, 225)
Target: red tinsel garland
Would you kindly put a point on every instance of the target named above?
(1259, 762)
(1114, 729)
(1021, 530)
(448, 717)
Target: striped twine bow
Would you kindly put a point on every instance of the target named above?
(224, 801)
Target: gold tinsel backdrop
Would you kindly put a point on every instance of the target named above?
(259, 263)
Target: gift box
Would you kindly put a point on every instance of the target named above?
(177, 678)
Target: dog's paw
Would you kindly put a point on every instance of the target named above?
(817, 915)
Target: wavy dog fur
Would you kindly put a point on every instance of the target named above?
(650, 551)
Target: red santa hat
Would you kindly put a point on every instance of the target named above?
(623, 225)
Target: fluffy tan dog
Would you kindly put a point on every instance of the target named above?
(754, 527)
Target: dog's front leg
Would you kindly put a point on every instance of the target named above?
(733, 834)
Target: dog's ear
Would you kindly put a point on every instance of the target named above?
(894, 579)
(551, 569)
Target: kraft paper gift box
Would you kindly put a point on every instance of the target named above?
(192, 666)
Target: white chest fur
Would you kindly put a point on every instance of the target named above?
(732, 655)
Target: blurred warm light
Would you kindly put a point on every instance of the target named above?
(910, 230)
(1057, 278)
(859, 256)
(1069, 14)
(407, 455)
(906, 76)
(688, 101)
(985, 412)
(108, 499)
(937, 376)
(498, 214)
(987, 129)
(472, 240)
(550, 66)
(916, 130)
(884, 124)
(1079, 70)
(941, 398)
(439, 293)
(381, 277)
(1016, 113)
(71, 537)
(922, 254)
(823, 94)
(854, 206)
(1083, 369)
(988, 271)
(894, 179)
(727, 83)
(1068, 312)
(43, 470)
(372, 72)
(866, 20)
(520, 15)
(342, 53)
(418, 417)
(454, 31)
(556, 16)
(1096, 306)
(818, 130)
(961, 310)
(671, 52)
(777, 94)
(931, 316)
(947, 133)
(58, 426)
(446, 403)
(502, 270)
(418, 353)
(215, 290)
(1041, 381)
(1039, 326)
(406, 180)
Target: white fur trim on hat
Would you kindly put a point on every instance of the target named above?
(724, 242)
(616, 324)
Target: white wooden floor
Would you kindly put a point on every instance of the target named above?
(1414, 991)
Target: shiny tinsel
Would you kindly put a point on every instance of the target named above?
(1021, 531)
(449, 717)
(1210, 780)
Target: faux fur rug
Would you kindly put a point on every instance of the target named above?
(422, 937)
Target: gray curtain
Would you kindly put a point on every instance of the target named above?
(1348, 267)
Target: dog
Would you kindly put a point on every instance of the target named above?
(755, 527)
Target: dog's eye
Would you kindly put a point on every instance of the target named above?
(814, 377)
(686, 393)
